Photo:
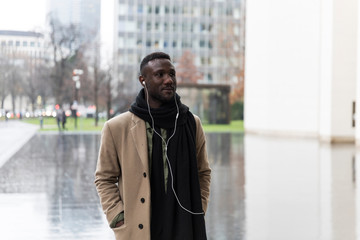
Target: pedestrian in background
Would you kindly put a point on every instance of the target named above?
(153, 175)
(63, 119)
(59, 118)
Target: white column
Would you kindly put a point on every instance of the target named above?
(338, 77)
(282, 67)
(357, 116)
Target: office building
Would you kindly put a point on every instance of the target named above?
(85, 14)
(211, 30)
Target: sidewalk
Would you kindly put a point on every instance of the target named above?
(13, 135)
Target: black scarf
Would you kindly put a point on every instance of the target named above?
(168, 219)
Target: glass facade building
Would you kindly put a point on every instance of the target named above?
(85, 14)
(212, 30)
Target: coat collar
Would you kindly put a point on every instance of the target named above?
(138, 133)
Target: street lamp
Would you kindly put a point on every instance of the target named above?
(76, 78)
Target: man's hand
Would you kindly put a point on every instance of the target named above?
(119, 224)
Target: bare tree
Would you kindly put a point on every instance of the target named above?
(4, 78)
(186, 71)
(64, 41)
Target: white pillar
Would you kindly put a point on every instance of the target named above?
(338, 69)
(300, 68)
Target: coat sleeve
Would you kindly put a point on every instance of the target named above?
(107, 174)
(204, 170)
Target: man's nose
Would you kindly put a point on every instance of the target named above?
(169, 78)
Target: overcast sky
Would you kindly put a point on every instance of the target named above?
(30, 15)
(23, 15)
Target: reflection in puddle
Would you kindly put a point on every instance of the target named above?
(262, 188)
(299, 189)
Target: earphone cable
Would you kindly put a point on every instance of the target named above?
(166, 145)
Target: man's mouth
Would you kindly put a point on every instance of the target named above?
(168, 89)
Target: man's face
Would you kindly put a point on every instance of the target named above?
(160, 78)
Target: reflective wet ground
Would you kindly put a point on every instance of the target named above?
(262, 188)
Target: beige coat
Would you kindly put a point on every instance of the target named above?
(122, 178)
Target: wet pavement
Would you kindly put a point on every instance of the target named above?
(262, 188)
(13, 135)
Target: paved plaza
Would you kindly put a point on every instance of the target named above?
(262, 188)
(49, 183)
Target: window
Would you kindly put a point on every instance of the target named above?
(123, 9)
(140, 26)
(148, 43)
(174, 44)
(18, 43)
(140, 8)
(3, 43)
(148, 26)
(32, 44)
(24, 44)
(10, 43)
(157, 9)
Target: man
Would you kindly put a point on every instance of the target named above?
(152, 175)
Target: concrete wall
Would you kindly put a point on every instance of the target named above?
(300, 70)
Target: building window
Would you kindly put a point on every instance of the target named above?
(148, 43)
(140, 8)
(18, 43)
(140, 26)
(32, 44)
(174, 44)
(24, 44)
(3, 43)
(10, 43)
(157, 10)
(148, 26)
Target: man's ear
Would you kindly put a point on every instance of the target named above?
(142, 80)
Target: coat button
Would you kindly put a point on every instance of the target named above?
(141, 226)
(142, 200)
(144, 174)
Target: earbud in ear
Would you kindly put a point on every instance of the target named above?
(143, 83)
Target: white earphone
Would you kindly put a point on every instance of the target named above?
(166, 147)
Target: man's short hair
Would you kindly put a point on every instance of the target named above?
(152, 56)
